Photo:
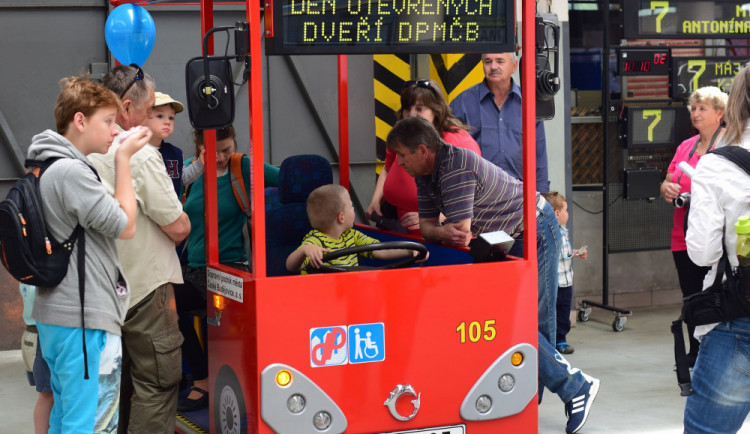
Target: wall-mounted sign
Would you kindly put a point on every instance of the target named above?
(643, 62)
(652, 127)
(686, 19)
(389, 26)
(690, 73)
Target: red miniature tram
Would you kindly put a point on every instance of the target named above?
(448, 347)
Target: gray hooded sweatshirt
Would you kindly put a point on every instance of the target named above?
(72, 194)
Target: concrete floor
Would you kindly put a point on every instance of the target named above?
(638, 392)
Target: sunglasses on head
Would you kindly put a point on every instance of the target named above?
(138, 77)
(426, 84)
(419, 83)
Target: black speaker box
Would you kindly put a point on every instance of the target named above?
(642, 183)
(214, 110)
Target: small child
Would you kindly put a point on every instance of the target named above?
(331, 214)
(565, 272)
(161, 124)
(37, 370)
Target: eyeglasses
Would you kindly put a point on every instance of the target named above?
(138, 77)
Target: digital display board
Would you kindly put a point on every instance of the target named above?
(643, 62)
(683, 19)
(690, 73)
(651, 127)
(389, 26)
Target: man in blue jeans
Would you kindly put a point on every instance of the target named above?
(477, 197)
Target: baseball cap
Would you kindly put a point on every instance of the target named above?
(164, 99)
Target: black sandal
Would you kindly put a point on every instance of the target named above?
(189, 404)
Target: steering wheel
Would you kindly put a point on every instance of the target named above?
(407, 245)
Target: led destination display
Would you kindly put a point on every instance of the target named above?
(686, 19)
(690, 73)
(387, 26)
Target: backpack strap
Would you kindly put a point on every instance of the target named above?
(37, 167)
(79, 234)
(240, 195)
(238, 184)
(237, 180)
(736, 154)
(682, 365)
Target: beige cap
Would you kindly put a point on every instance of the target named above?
(164, 99)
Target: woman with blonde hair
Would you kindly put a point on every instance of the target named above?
(707, 106)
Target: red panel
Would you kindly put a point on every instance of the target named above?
(420, 308)
(343, 88)
(232, 343)
(528, 92)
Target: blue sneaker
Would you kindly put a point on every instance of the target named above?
(564, 348)
(577, 410)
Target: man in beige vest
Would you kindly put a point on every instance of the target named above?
(151, 340)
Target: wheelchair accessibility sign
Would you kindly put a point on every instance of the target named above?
(367, 343)
(339, 345)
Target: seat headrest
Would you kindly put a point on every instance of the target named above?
(299, 175)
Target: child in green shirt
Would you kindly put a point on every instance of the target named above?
(331, 215)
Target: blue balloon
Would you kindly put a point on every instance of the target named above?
(130, 33)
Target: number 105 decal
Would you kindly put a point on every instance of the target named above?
(474, 331)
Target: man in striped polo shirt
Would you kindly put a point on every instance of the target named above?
(477, 197)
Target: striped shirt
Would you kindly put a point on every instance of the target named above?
(350, 238)
(464, 185)
(565, 265)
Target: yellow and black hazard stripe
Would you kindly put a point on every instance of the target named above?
(186, 425)
(390, 73)
(456, 72)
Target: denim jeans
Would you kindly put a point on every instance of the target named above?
(721, 380)
(547, 252)
(556, 374)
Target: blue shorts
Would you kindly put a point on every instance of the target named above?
(41, 375)
(80, 405)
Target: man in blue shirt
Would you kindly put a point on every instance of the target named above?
(492, 109)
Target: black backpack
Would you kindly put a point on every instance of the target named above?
(28, 251)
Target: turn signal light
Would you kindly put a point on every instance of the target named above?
(516, 359)
(219, 302)
(283, 378)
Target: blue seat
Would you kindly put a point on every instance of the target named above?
(271, 196)
(286, 221)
